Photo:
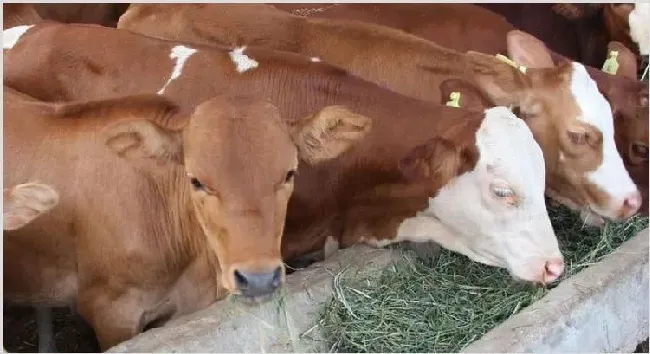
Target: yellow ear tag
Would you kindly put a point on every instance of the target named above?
(611, 64)
(454, 99)
(508, 61)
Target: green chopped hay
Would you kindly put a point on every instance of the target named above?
(443, 305)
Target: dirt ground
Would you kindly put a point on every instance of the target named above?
(71, 333)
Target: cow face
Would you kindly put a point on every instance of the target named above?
(572, 122)
(236, 160)
(494, 213)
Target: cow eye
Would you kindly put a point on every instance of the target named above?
(289, 177)
(501, 191)
(196, 184)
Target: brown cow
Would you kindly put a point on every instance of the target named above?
(344, 189)
(467, 27)
(569, 111)
(31, 13)
(581, 31)
(199, 211)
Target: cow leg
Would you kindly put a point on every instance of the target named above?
(44, 326)
(113, 318)
(119, 318)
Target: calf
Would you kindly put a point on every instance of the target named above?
(326, 200)
(198, 212)
(467, 27)
(570, 115)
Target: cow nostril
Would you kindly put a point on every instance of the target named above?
(240, 280)
(254, 284)
(552, 270)
(631, 204)
(277, 277)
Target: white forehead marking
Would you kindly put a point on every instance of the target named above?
(506, 143)
(242, 62)
(179, 54)
(10, 36)
(611, 176)
(315, 59)
(639, 22)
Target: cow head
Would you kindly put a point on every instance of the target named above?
(572, 122)
(25, 202)
(494, 210)
(236, 160)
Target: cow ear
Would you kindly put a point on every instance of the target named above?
(152, 133)
(436, 161)
(328, 133)
(502, 83)
(143, 139)
(527, 50)
(25, 202)
(627, 65)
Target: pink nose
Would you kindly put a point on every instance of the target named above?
(631, 205)
(552, 270)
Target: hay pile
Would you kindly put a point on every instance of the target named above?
(443, 305)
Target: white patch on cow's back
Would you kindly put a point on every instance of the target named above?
(10, 36)
(315, 59)
(179, 54)
(611, 176)
(639, 22)
(242, 62)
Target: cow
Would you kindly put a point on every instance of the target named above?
(302, 89)
(466, 27)
(30, 13)
(569, 110)
(163, 210)
(581, 31)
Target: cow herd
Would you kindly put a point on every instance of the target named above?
(160, 157)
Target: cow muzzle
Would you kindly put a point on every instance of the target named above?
(258, 287)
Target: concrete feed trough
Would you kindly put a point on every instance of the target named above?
(604, 308)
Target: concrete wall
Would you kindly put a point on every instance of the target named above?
(602, 309)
